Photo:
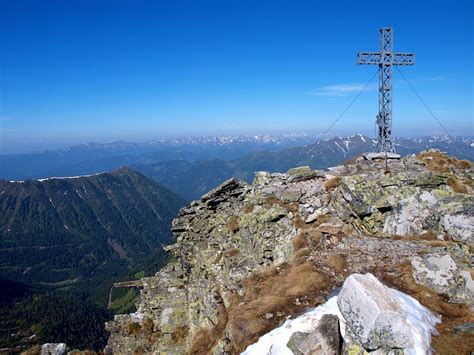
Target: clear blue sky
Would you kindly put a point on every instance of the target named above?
(74, 71)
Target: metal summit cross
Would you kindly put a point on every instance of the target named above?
(385, 59)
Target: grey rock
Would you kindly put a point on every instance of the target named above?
(373, 313)
(232, 187)
(324, 340)
(53, 349)
(289, 195)
(467, 328)
(441, 273)
(459, 227)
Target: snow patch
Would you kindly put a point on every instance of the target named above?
(275, 342)
(421, 320)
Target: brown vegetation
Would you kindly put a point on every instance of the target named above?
(249, 208)
(443, 163)
(290, 207)
(273, 292)
(233, 224)
(332, 183)
(270, 297)
(457, 185)
(133, 328)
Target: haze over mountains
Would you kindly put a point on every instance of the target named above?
(191, 166)
(90, 158)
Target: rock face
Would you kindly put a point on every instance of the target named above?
(373, 314)
(249, 256)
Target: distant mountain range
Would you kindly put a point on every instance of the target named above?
(91, 158)
(83, 233)
(192, 179)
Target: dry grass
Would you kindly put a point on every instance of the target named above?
(447, 342)
(289, 207)
(35, 350)
(249, 208)
(443, 163)
(205, 339)
(336, 262)
(133, 328)
(233, 224)
(332, 183)
(179, 335)
(457, 185)
(272, 291)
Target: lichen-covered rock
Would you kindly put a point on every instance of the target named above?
(373, 314)
(324, 340)
(440, 272)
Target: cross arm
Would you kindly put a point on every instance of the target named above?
(366, 58)
(403, 58)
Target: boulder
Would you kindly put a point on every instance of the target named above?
(373, 314)
(53, 349)
(323, 340)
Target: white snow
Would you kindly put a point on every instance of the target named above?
(67, 177)
(58, 177)
(346, 143)
(420, 319)
(275, 341)
(422, 323)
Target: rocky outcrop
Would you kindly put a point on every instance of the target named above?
(249, 256)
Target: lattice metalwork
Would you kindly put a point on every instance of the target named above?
(385, 59)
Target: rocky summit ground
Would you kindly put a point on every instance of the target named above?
(250, 256)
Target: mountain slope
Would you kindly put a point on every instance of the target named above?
(76, 233)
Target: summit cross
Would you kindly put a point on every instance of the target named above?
(385, 59)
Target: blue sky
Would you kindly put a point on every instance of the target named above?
(73, 71)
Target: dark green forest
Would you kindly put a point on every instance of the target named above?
(65, 242)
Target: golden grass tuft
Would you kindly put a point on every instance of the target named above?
(332, 183)
(233, 224)
(443, 163)
(457, 185)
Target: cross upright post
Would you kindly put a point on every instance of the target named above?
(385, 59)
